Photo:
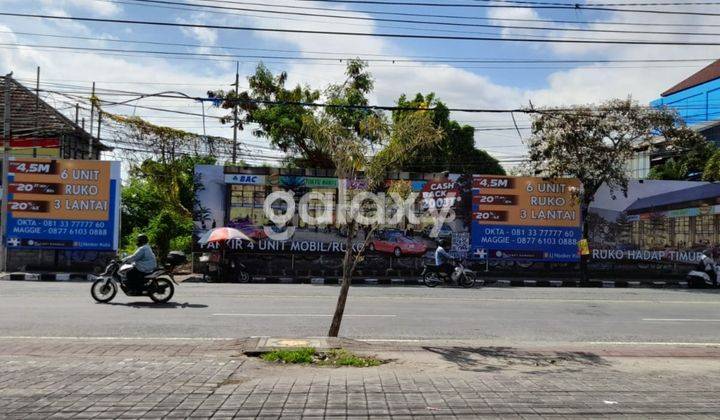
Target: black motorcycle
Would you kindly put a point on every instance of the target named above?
(217, 269)
(432, 275)
(158, 286)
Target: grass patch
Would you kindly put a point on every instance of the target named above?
(342, 357)
(293, 356)
(335, 357)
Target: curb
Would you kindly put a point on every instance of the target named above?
(49, 277)
(375, 281)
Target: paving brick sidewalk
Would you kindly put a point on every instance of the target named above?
(176, 379)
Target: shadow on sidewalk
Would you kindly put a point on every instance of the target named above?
(493, 359)
(153, 305)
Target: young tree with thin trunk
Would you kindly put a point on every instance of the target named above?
(347, 134)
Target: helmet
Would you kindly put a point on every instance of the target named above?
(142, 239)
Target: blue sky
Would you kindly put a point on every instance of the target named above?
(459, 87)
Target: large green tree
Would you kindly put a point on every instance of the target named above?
(277, 113)
(594, 144)
(455, 152)
(711, 172)
(158, 199)
(690, 154)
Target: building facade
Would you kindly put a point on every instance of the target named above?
(39, 130)
(697, 98)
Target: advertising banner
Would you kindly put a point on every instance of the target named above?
(34, 147)
(662, 222)
(525, 218)
(64, 204)
(237, 201)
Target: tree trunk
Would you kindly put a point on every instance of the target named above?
(584, 210)
(348, 267)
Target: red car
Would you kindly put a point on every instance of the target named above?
(398, 245)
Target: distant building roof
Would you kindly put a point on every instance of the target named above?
(699, 193)
(707, 74)
(33, 117)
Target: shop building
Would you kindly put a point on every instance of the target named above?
(684, 219)
(40, 130)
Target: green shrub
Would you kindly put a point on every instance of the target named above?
(165, 227)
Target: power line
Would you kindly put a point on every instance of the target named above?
(212, 11)
(423, 22)
(363, 34)
(364, 56)
(464, 17)
(342, 106)
(635, 4)
(510, 5)
(505, 62)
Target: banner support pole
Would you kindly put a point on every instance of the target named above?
(5, 171)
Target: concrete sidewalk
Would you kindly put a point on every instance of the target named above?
(111, 378)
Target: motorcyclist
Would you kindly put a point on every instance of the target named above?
(143, 261)
(707, 264)
(443, 260)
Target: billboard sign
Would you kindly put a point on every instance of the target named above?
(525, 218)
(63, 204)
(244, 179)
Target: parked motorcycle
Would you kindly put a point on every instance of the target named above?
(159, 285)
(705, 274)
(432, 275)
(217, 269)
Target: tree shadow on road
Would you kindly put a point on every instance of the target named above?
(153, 305)
(493, 359)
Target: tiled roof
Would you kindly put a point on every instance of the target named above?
(30, 117)
(707, 74)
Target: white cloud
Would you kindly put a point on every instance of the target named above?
(102, 8)
(205, 36)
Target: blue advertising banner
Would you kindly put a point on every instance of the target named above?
(525, 218)
(64, 204)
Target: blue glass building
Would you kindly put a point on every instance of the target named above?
(697, 99)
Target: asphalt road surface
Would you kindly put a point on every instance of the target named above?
(497, 315)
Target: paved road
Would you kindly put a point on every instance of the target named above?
(492, 315)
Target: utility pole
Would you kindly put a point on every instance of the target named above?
(99, 126)
(37, 106)
(5, 171)
(37, 111)
(92, 117)
(235, 112)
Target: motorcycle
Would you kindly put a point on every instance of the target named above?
(706, 273)
(159, 285)
(432, 275)
(216, 270)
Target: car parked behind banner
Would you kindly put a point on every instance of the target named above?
(398, 245)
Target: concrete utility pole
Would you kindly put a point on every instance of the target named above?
(5, 171)
(92, 117)
(98, 130)
(37, 107)
(235, 112)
